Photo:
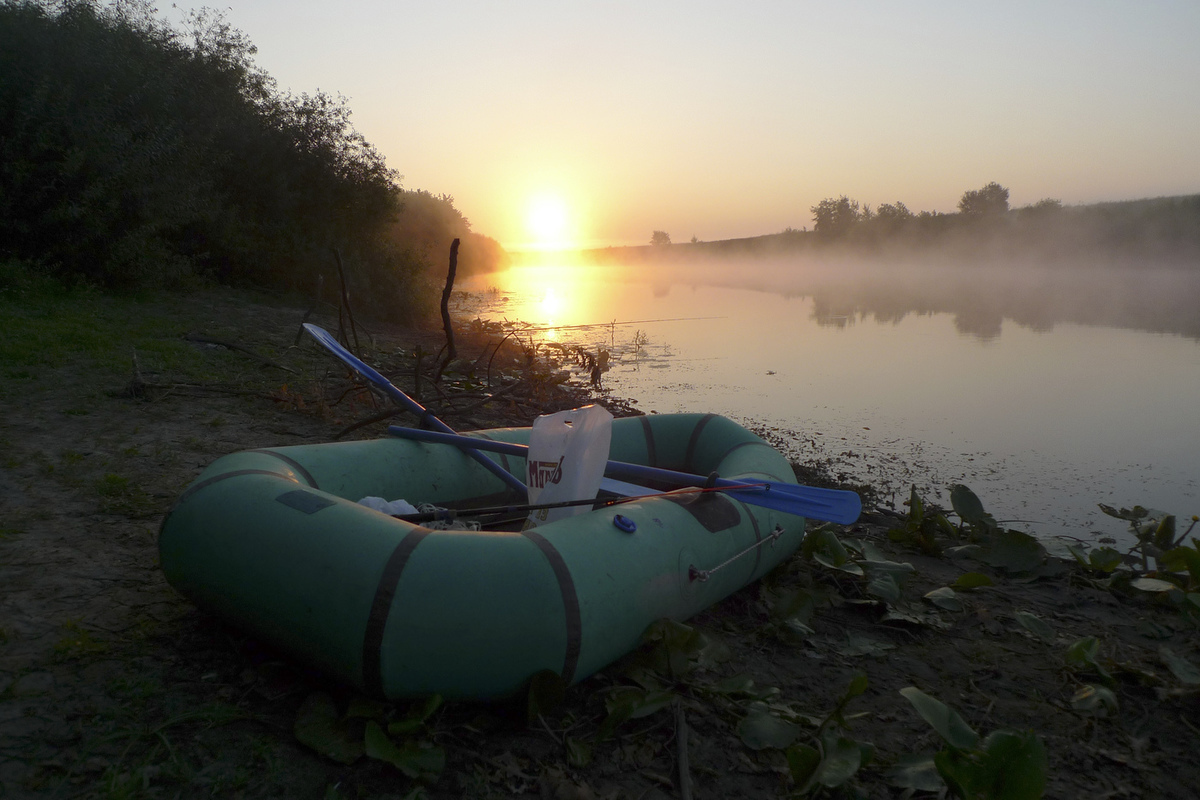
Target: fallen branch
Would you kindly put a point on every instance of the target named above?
(202, 339)
(199, 387)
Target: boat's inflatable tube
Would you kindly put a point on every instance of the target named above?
(273, 541)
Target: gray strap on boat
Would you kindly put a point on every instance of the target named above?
(697, 574)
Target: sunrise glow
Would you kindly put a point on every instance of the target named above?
(548, 222)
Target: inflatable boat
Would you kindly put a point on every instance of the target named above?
(273, 541)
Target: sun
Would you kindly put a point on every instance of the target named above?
(548, 220)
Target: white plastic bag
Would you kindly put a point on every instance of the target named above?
(388, 506)
(567, 455)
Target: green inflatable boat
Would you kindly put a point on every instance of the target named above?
(273, 541)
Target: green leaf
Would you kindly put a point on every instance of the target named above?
(824, 543)
(949, 725)
(915, 772)
(842, 759)
(1082, 652)
(958, 770)
(1082, 655)
(416, 717)
(969, 507)
(1152, 585)
(631, 703)
(945, 598)
(1128, 514)
(1185, 671)
(579, 753)
(858, 685)
(760, 730)
(319, 727)
(418, 760)
(737, 684)
(795, 604)
(1013, 551)
(900, 570)
(1180, 559)
(1164, 535)
(1013, 766)
(674, 649)
(916, 506)
(884, 587)
(1036, 625)
(803, 762)
(1104, 559)
(1098, 701)
(971, 580)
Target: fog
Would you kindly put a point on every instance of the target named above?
(1132, 265)
(1158, 299)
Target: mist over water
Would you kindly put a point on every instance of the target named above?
(1046, 390)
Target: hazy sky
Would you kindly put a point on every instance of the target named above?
(724, 119)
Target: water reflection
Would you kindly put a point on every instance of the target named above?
(1044, 390)
(1139, 297)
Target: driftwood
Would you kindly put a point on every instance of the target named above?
(202, 339)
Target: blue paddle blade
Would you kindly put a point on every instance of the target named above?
(829, 505)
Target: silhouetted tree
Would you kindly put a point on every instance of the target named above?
(890, 213)
(660, 238)
(991, 199)
(1041, 208)
(835, 217)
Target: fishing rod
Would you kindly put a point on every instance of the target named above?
(450, 514)
(830, 505)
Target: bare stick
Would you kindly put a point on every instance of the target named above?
(681, 741)
(346, 301)
(202, 339)
(451, 353)
(315, 302)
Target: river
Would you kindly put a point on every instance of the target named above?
(1045, 391)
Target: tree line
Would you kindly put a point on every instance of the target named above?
(1166, 228)
(134, 154)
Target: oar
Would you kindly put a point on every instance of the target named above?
(832, 505)
(423, 414)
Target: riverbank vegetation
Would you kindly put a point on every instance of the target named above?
(136, 155)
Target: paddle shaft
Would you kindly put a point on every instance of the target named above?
(832, 505)
(423, 414)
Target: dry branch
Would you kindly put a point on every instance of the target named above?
(203, 339)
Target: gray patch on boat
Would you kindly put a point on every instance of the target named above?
(304, 501)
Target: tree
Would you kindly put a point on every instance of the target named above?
(836, 216)
(1042, 208)
(660, 238)
(889, 213)
(991, 199)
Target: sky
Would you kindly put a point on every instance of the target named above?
(598, 123)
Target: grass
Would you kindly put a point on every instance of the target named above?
(51, 327)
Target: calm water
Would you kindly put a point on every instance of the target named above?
(1045, 392)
